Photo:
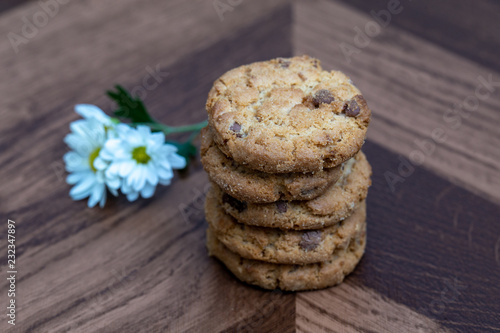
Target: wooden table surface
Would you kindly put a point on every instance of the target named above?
(433, 257)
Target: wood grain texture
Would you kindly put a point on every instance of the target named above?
(433, 257)
(462, 27)
(124, 268)
(331, 311)
(411, 85)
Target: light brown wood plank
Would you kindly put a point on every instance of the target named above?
(410, 84)
(351, 308)
(113, 46)
(91, 45)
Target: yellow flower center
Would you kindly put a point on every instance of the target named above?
(93, 155)
(139, 154)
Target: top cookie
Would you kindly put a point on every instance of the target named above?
(287, 115)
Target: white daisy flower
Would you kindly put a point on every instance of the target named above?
(86, 140)
(142, 159)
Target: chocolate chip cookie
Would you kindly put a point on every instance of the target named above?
(283, 247)
(287, 115)
(290, 277)
(254, 186)
(337, 203)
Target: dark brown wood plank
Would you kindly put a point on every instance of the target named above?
(462, 27)
(9, 4)
(354, 308)
(89, 53)
(411, 85)
(432, 247)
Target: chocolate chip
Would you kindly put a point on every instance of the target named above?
(308, 191)
(310, 240)
(281, 206)
(236, 128)
(323, 96)
(351, 109)
(284, 63)
(233, 202)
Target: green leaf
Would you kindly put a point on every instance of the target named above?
(185, 149)
(129, 107)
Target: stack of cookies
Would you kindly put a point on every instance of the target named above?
(287, 204)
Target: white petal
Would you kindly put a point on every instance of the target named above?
(137, 178)
(75, 177)
(111, 146)
(123, 128)
(103, 199)
(164, 163)
(100, 164)
(79, 144)
(86, 136)
(79, 127)
(96, 195)
(168, 149)
(75, 162)
(151, 175)
(164, 173)
(158, 139)
(165, 181)
(123, 154)
(132, 196)
(73, 141)
(126, 168)
(126, 189)
(96, 134)
(144, 131)
(82, 189)
(113, 170)
(177, 161)
(129, 135)
(113, 183)
(148, 191)
(91, 111)
(113, 191)
(106, 154)
(99, 175)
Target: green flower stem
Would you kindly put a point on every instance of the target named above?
(193, 135)
(175, 129)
